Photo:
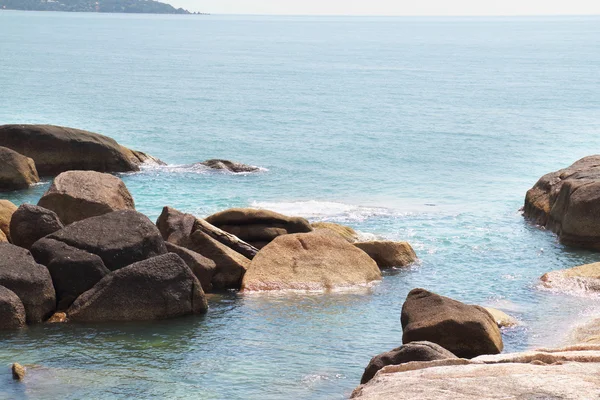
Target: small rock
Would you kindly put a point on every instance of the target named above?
(231, 166)
(58, 318)
(18, 372)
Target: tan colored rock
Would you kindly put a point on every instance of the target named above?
(584, 277)
(3, 238)
(389, 254)
(345, 231)
(57, 318)
(502, 319)
(16, 170)
(77, 195)
(7, 209)
(309, 261)
(18, 372)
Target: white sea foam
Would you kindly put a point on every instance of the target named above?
(324, 210)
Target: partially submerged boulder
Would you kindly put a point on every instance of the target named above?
(16, 170)
(31, 223)
(231, 166)
(12, 311)
(7, 209)
(568, 203)
(77, 195)
(258, 227)
(57, 149)
(73, 271)
(389, 254)
(18, 372)
(344, 231)
(120, 238)
(29, 280)
(158, 288)
(204, 268)
(584, 277)
(415, 351)
(465, 330)
(309, 261)
(503, 320)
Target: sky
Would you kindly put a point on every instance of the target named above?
(393, 7)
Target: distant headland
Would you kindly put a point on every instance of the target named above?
(101, 6)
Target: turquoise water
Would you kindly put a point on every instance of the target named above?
(426, 130)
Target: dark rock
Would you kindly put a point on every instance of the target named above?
(12, 311)
(77, 195)
(231, 166)
(120, 238)
(57, 149)
(415, 351)
(73, 271)
(31, 223)
(29, 280)
(226, 238)
(175, 226)
(204, 268)
(158, 288)
(465, 330)
(389, 254)
(16, 171)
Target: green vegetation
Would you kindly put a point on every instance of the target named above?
(106, 6)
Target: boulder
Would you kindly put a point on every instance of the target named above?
(345, 231)
(258, 227)
(465, 330)
(568, 203)
(77, 195)
(309, 261)
(158, 288)
(503, 320)
(230, 266)
(415, 351)
(582, 278)
(29, 280)
(7, 209)
(229, 240)
(57, 149)
(389, 254)
(16, 170)
(31, 223)
(73, 271)
(175, 226)
(12, 311)
(570, 373)
(204, 268)
(231, 166)
(120, 238)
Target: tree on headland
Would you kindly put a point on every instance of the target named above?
(107, 6)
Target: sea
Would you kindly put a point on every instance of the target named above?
(426, 130)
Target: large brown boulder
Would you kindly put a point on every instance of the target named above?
(158, 288)
(309, 261)
(7, 209)
(415, 351)
(204, 268)
(31, 223)
(465, 330)
(73, 271)
(258, 227)
(29, 280)
(12, 311)
(77, 195)
(568, 203)
(57, 149)
(389, 254)
(16, 170)
(120, 238)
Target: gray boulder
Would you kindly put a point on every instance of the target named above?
(31, 223)
(204, 268)
(12, 311)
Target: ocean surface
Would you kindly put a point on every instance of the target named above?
(428, 130)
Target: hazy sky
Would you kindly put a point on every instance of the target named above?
(392, 7)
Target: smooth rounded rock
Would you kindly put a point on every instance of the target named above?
(16, 170)
(389, 254)
(7, 209)
(12, 311)
(345, 231)
(31, 223)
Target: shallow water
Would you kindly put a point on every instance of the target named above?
(426, 130)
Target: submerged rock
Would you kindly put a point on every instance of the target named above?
(16, 170)
(465, 330)
(12, 311)
(158, 288)
(29, 280)
(344, 231)
(568, 203)
(31, 223)
(7, 209)
(120, 238)
(309, 261)
(258, 227)
(57, 149)
(389, 254)
(415, 351)
(18, 372)
(231, 166)
(503, 320)
(77, 195)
